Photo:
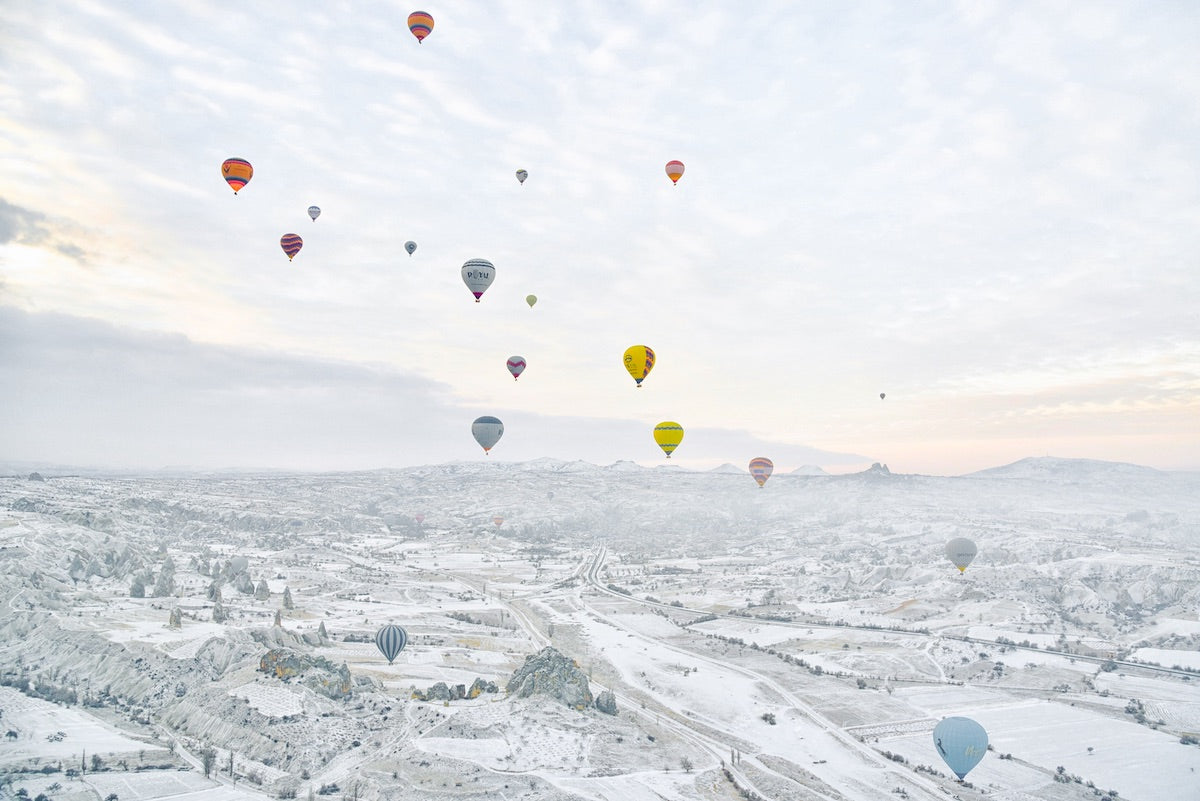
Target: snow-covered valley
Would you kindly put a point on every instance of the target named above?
(794, 642)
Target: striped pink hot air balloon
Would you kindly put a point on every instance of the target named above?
(674, 171)
(421, 24)
(516, 366)
(760, 468)
(291, 244)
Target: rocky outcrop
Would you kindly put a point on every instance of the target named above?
(606, 702)
(550, 673)
(444, 692)
(314, 672)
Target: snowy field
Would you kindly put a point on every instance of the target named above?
(807, 628)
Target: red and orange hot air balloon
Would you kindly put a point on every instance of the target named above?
(291, 244)
(674, 171)
(237, 173)
(421, 24)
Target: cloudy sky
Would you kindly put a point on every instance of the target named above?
(988, 211)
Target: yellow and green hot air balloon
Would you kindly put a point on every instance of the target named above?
(668, 435)
(639, 361)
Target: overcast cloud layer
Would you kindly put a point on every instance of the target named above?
(989, 211)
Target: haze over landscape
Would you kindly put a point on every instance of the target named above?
(921, 296)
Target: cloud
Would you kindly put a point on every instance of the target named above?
(81, 391)
(21, 226)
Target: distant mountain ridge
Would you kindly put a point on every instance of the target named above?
(1054, 467)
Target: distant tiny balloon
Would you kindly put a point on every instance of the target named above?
(961, 552)
(487, 431)
(237, 173)
(882, 395)
(410, 246)
(668, 434)
(761, 468)
(522, 175)
(421, 25)
(498, 520)
(516, 366)
(291, 244)
(478, 275)
(531, 299)
(314, 212)
(674, 171)
(390, 640)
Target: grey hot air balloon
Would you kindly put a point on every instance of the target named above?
(487, 432)
(410, 246)
(391, 640)
(478, 275)
(961, 742)
(522, 175)
(961, 551)
(314, 212)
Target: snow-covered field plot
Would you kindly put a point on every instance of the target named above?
(272, 701)
(1161, 656)
(37, 724)
(642, 786)
(1138, 762)
(147, 785)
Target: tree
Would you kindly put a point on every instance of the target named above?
(686, 764)
(97, 762)
(208, 758)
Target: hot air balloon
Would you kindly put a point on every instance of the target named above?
(961, 551)
(420, 24)
(478, 275)
(639, 361)
(291, 244)
(668, 435)
(516, 366)
(531, 299)
(420, 518)
(487, 432)
(237, 172)
(962, 743)
(674, 171)
(314, 212)
(522, 175)
(410, 246)
(760, 468)
(550, 495)
(391, 640)
(498, 520)
(882, 395)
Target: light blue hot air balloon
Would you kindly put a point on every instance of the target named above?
(962, 743)
(391, 640)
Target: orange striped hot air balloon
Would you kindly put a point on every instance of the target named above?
(291, 244)
(674, 171)
(420, 23)
(761, 468)
(237, 173)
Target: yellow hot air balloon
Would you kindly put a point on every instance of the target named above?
(639, 361)
(668, 435)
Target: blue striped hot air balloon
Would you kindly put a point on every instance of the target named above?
(391, 640)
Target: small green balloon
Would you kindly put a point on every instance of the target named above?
(531, 299)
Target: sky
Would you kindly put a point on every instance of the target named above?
(990, 212)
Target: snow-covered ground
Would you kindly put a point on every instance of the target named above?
(795, 635)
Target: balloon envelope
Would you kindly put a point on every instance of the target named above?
(760, 468)
(421, 24)
(639, 361)
(237, 172)
(516, 366)
(522, 175)
(531, 299)
(962, 743)
(487, 432)
(961, 551)
(410, 246)
(314, 212)
(478, 275)
(882, 395)
(498, 520)
(674, 171)
(291, 244)
(668, 435)
(420, 518)
(391, 640)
